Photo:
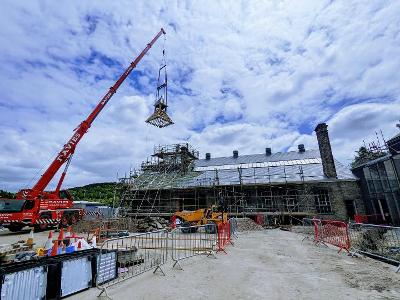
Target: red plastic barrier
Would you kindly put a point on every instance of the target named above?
(260, 219)
(173, 222)
(360, 219)
(335, 233)
(224, 236)
(316, 222)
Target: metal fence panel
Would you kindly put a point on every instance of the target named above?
(136, 254)
(29, 284)
(309, 229)
(376, 240)
(234, 227)
(186, 242)
(76, 275)
(107, 267)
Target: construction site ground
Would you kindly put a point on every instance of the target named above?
(267, 264)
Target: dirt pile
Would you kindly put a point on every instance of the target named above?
(151, 223)
(247, 224)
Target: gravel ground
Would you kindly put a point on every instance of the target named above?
(246, 224)
(8, 237)
(269, 264)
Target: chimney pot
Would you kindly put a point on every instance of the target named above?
(208, 156)
(301, 148)
(235, 154)
(268, 151)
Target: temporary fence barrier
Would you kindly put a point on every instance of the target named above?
(173, 221)
(378, 241)
(136, 254)
(310, 229)
(186, 242)
(360, 218)
(106, 269)
(369, 219)
(335, 233)
(260, 219)
(224, 236)
(326, 232)
(233, 227)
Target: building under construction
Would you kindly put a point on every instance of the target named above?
(297, 183)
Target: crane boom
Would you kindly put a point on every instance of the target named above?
(83, 127)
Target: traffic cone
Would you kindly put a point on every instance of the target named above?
(49, 243)
(79, 247)
(61, 235)
(54, 250)
(29, 241)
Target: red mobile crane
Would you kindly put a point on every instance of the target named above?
(39, 208)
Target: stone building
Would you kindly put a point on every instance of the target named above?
(290, 185)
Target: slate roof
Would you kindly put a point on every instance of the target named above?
(255, 158)
(276, 168)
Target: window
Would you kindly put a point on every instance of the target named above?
(291, 203)
(11, 205)
(30, 204)
(322, 202)
(271, 204)
(391, 174)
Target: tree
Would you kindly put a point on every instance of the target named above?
(5, 194)
(365, 155)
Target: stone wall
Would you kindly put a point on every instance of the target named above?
(341, 192)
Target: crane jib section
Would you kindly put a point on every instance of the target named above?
(70, 146)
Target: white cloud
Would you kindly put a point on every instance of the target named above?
(241, 76)
(353, 125)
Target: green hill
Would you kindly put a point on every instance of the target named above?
(95, 192)
(5, 194)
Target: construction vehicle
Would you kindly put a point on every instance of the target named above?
(38, 208)
(210, 217)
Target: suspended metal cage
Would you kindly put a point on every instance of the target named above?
(160, 117)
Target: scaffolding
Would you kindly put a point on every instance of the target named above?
(168, 182)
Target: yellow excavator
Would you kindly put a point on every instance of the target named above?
(210, 217)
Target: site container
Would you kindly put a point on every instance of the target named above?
(70, 273)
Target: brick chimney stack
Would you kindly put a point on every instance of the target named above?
(328, 164)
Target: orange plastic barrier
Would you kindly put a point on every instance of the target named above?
(224, 236)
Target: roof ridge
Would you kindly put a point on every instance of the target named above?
(272, 154)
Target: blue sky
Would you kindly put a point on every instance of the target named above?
(243, 75)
